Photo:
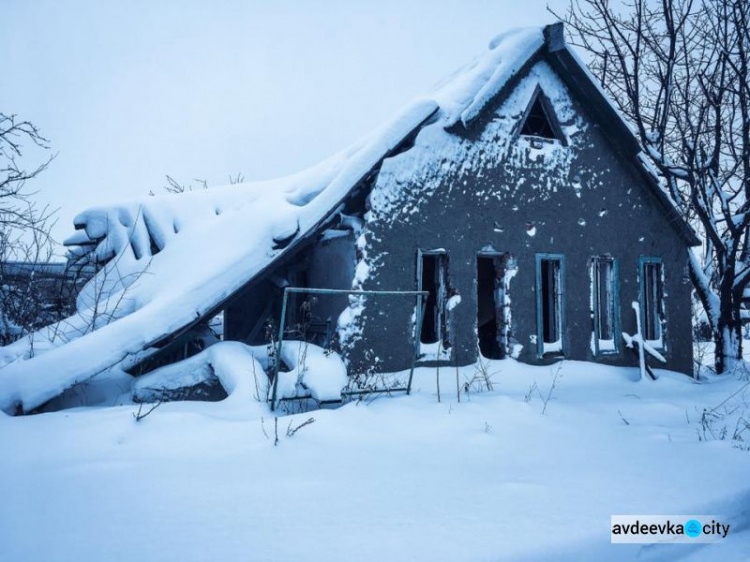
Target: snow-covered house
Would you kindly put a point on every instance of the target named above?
(513, 193)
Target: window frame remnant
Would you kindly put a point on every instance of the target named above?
(605, 315)
(550, 306)
(651, 297)
(539, 109)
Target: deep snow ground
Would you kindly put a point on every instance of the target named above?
(399, 478)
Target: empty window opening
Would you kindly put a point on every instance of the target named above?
(550, 290)
(433, 278)
(494, 273)
(539, 121)
(652, 296)
(604, 303)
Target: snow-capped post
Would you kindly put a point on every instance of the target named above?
(437, 369)
(639, 336)
(277, 361)
(452, 303)
(421, 305)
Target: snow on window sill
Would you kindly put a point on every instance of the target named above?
(552, 348)
(606, 347)
(433, 352)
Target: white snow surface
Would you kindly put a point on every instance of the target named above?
(463, 94)
(177, 256)
(399, 478)
(238, 367)
(241, 370)
(313, 371)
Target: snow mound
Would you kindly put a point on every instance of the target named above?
(239, 368)
(241, 371)
(314, 371)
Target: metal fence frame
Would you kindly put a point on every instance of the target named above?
(421, 303)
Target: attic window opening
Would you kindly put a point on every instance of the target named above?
(540, 121)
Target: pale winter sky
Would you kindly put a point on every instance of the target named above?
(130, 91)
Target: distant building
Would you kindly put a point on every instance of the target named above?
(36, 294)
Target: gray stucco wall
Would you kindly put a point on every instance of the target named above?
(468, 194)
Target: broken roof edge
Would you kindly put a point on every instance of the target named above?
(24, 390)
(163, 345)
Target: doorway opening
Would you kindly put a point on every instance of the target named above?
(432, 271)
(494, 273)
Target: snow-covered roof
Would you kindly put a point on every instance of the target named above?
(173, 259)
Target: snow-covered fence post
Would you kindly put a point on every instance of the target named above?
(421, 305)
(277, 361)
(639, 338)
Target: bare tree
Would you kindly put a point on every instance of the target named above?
(17, 209)
(678, 71)
(27, 296)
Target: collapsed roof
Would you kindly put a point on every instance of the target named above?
(169, 262)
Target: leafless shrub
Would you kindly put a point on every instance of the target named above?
(729, 420)
(140, 414)
(533, 389)
(26, 302)
(626, 422)
(545, 398)
(290, 431)
(174, 186)
(237, 179)
(481, 379)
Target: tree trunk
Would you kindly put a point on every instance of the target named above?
(728, 332)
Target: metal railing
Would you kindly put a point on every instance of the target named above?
(421, 302)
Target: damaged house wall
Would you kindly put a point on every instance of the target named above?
(491, 189)
(327, 262)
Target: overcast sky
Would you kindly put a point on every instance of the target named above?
(130, 91)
